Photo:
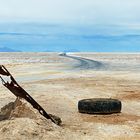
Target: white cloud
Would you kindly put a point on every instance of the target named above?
(74, 11)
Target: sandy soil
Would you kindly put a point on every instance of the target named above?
(57, 84)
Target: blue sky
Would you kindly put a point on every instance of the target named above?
(85, 25)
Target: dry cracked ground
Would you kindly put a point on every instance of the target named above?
(57, 83)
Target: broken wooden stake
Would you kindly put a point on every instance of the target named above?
(18, 91)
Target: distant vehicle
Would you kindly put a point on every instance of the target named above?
(62, 54)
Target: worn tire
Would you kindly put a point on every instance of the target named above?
(99, 106)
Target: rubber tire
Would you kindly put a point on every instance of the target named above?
(99, 106)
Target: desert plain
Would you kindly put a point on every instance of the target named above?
(57, 82)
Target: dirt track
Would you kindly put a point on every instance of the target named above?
(85, 64)
(53, 82)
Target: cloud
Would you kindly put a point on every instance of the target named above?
(73, 11)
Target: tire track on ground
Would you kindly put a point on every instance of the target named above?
(84, 63)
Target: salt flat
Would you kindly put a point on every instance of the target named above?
(59, 82)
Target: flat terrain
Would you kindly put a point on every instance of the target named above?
(59, 82)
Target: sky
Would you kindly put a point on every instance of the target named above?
(89, 24)
(72, 11)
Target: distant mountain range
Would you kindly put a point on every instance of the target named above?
(66, 51)
(6, 49)
(71, 50)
